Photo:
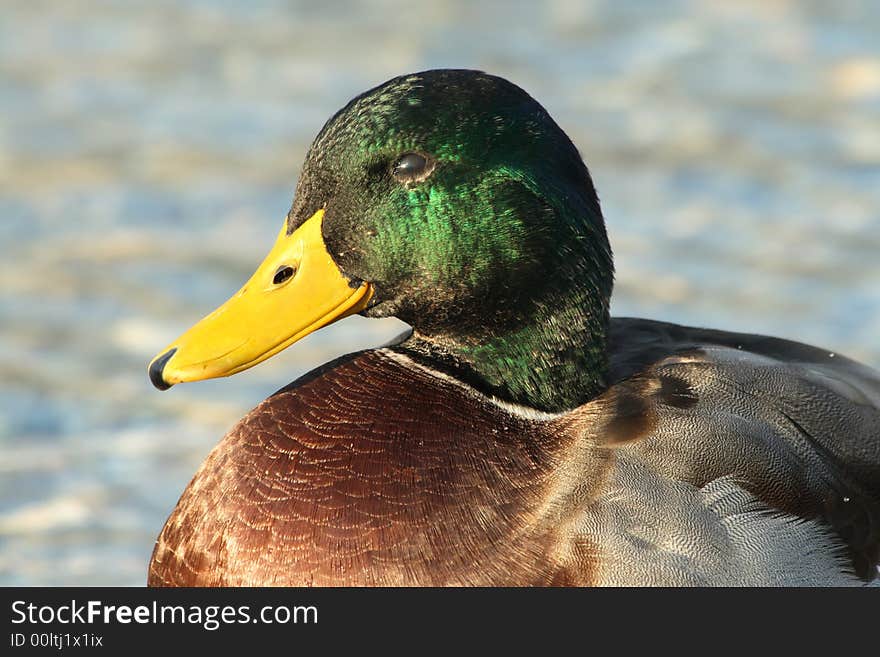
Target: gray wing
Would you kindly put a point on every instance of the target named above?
(797, 428)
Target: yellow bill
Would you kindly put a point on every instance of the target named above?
(296, 290)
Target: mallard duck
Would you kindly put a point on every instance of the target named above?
(517, 435)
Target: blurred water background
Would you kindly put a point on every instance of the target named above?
(149, 150)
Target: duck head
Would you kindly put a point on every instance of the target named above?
(451, 200)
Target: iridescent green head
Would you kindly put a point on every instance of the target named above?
(459, 198)
(469, 214)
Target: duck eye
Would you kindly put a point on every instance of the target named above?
(283, 273)
(412, 167)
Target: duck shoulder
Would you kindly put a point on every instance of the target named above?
(789, 430)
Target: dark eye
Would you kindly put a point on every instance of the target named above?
(283, 273)
(412, 167)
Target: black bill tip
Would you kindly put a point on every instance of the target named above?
(156, 368)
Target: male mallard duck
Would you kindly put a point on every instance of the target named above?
(518, 435)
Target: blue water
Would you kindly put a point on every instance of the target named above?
(149, 150)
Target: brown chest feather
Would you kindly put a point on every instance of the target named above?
(370, 474)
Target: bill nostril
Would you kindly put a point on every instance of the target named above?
(156, 368)
(283, 273)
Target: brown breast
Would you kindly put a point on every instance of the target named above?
(375, 472)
